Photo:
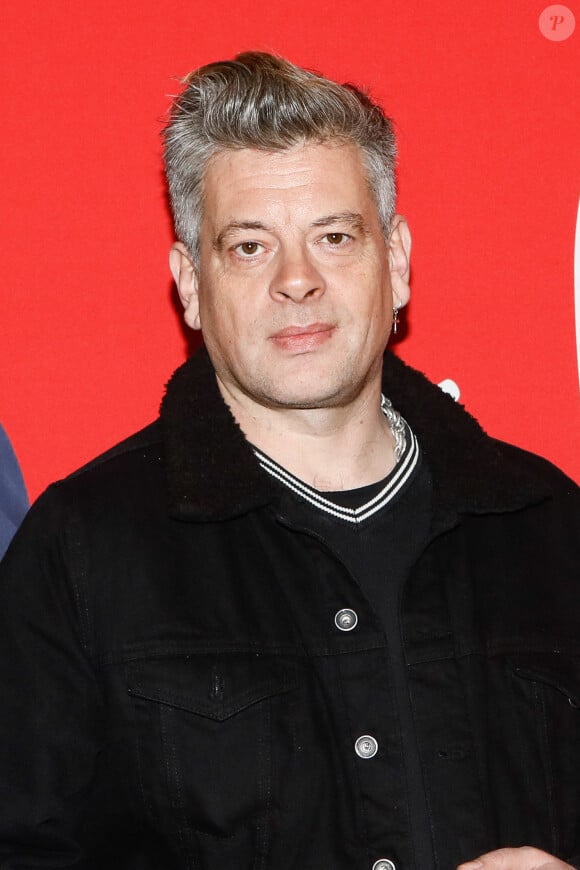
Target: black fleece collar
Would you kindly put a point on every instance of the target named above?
(213, 473)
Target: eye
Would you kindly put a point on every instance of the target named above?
(337, 239)
(248, 249)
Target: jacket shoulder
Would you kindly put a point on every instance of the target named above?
(128, 473)
(140, 443)
(535, 467)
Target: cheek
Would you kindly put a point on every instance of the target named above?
(369, 296)
(236, 311)
(229, 325)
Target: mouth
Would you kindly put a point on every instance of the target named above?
(301, 339)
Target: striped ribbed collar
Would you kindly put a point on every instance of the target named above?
(392, 486)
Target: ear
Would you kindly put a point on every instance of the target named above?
(399, 261)
(185, 277)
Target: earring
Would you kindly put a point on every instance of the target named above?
(395, 320)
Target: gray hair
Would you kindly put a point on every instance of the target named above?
(261, 101)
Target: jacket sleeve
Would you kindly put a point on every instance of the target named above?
(49, 727)
(13, 498)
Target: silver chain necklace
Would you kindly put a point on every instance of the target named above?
(396, 425)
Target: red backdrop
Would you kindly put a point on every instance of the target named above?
(488, 123)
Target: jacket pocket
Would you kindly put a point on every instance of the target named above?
(554, 670)
(552, 684)
(215, 686)
(205, 726)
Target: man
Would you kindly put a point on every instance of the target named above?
(313, 617)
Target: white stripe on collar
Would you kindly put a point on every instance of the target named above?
(394, 483)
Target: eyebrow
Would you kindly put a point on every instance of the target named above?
(353, 219)
(237, 225)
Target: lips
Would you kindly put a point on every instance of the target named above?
(303, 338)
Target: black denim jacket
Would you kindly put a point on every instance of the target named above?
(176, 692)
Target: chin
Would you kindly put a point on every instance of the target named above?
(307, 399)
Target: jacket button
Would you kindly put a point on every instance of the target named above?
(366, 747)
(346, 619)
(384, 864)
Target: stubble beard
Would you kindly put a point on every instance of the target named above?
(337, 389)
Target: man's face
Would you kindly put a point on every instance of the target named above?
(294, 286)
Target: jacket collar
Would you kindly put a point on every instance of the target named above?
(213, 474)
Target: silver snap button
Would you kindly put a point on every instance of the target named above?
(346, 619)
(384, 864)
(366, 746)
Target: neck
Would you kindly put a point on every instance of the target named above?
(330, 449)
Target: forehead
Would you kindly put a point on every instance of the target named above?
(305, 177)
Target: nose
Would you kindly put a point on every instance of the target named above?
(296, 276)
